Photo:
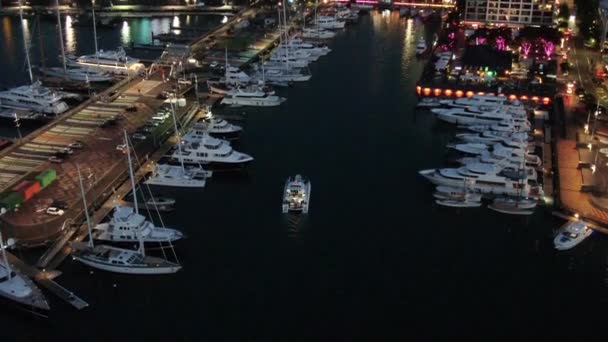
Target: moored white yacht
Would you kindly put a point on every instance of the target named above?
(216, 126)
(571, 234)
(317, 33)
(251, 97)
(506, 126)
(17, 287)
(33, 97)
(296, 195)
(329, 23)
(176, 176)
(483, 100)
(115, 62)
(476, 116)
(22, 115)
(490, 182)
(291, 61)
(77, 74)
(126, 225)
(210, 150)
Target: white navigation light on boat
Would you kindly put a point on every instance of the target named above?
(224, 20)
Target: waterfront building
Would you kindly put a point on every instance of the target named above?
(511, 13)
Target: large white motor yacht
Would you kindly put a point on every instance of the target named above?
(296, 195)
(210, 150)
(571, 234)
(491, 180)
(77, 74)
(216, 126)
(483, 100)
(476, 116)
(251, 97)
(125, 226)
(176, 176)
(33, 97)
(295, 53)
(317, 33)
(115, 62)
(330, 23)
(289, 60)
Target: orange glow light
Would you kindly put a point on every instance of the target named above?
(512, 97)
(481, 93)
(470, 93)
(535, 98)
(448, 92)
(427, 91)
(546, 100)
(418, 90)
(437, 92)
(459, 93)
(523, 97)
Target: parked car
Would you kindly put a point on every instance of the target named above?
(59, 204)
(55, 159)
(76, 145)
(138, 136)
(54, 211)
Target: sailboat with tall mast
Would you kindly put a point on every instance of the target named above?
(17, 287)
(115, 259)
(114, 62)
(178, 175)
(33, 97)
(75, 73)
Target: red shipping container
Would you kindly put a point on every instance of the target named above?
(28, 189)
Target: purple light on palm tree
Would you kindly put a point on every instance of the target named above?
(549, 47)
(525, 48)
(501, 43)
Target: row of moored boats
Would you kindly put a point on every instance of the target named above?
(495, 155)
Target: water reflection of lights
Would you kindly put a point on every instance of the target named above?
(26, 31)
(125, 33)
(176, 23)
(386, 13)
(408, 44)
(224, 19)
(70, 36)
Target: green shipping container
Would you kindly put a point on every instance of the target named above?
(46, 177)
(12, 199)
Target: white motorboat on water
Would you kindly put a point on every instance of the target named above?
(296, 195)
(179, 177)
(221, 87)
(483, 100)
(458, 203)
(571, 234)
(289, 60)
(483, 179)
(450, 193)
(21, 115)
(476, 116)
(126, 225)
(490, 137)
(329, 23)
(33, 97)
(317, 33)
(209, 150)
(507, 126)
(513, 205)
(114, 62)
(17, 287)
(295, 54)
(498, 152)
(428, 102)
(421, 46)
(216, 126)
(313, 49)
(77, 74)
(283, 76)
(251, 97)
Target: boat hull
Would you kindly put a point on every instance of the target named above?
(168, 269)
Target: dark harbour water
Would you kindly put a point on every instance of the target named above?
(375, 260)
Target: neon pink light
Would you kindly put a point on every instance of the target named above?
(367, 2)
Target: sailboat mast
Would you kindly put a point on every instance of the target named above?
(7, 265)
(179, 139)
(94, 27)
(286, 28)
(226, 67)
(60, 29)
(25, 45)
(86, 207)
(131, 173)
